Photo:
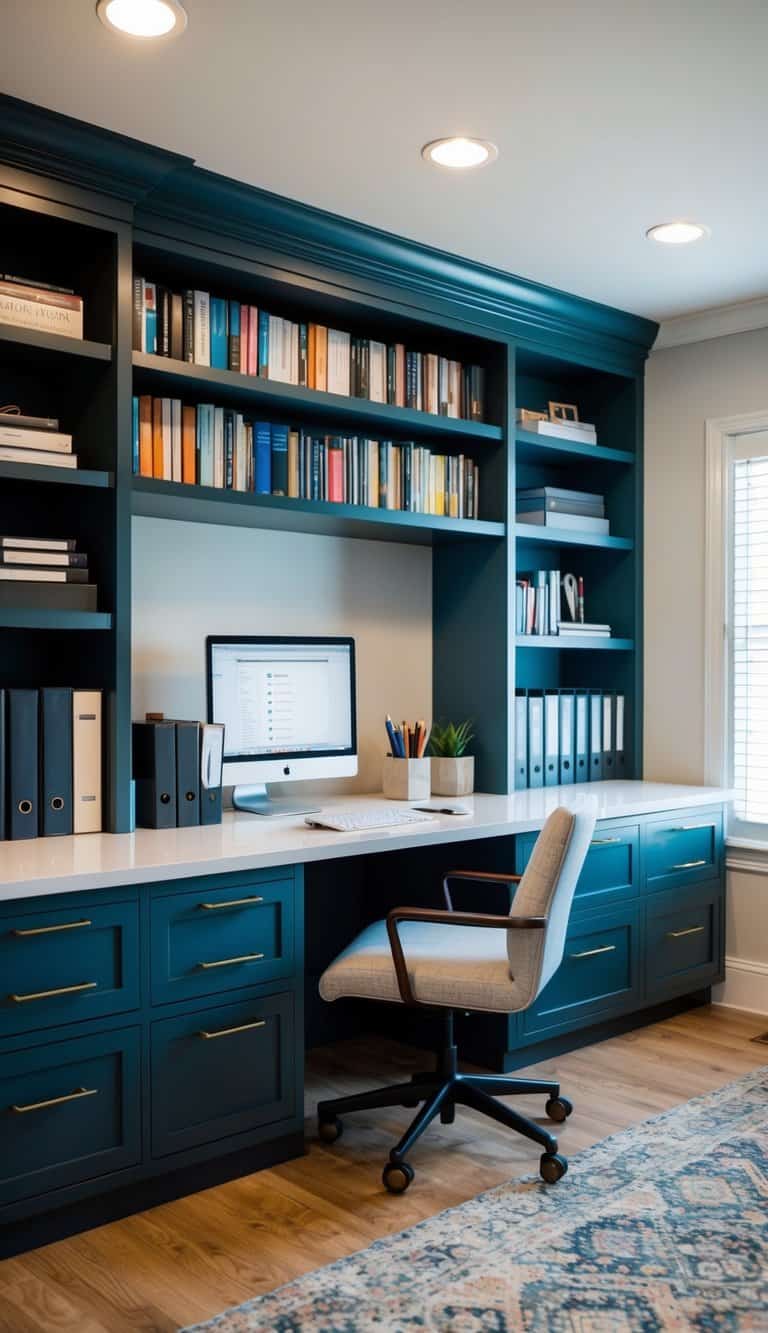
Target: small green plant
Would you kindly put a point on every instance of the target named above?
(449, 741)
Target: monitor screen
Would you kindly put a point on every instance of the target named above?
(282, 698)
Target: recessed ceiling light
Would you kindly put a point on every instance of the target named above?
(143, 18)
(676, 233)
(460, 153)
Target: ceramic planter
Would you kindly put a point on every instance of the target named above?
(453, 777)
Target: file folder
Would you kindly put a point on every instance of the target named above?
(22, 760)
(211, 767)
(595, 736)
(581, 708)
(567, 737)
(608, 746)
(86, 761)
(618, 766)
(521, 740)
(551, 740)
(55, 762)
(154, 771)
(535, 740)
(187, 774)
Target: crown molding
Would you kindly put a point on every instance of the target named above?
(719, 322)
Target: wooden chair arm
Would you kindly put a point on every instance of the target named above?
(448, 918)
(486, 876)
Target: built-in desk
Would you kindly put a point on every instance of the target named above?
(152, 1010)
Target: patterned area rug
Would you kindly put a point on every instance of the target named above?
(661, 1227)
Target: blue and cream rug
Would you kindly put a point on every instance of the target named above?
(662, 1227)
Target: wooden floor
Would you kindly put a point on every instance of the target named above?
(190, 1259)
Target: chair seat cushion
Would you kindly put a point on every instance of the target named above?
(452, 966)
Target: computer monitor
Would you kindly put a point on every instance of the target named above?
(288, 709)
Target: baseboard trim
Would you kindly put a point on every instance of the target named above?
(745, 986)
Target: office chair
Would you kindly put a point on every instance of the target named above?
(446, 960)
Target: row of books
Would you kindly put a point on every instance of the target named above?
(214, 446)
(38, 440)
(565, 736)
(41, 306)
(45, 572)
(547, 603)
(556, 507)
(211, 331)
(51, 752)
(177, 772)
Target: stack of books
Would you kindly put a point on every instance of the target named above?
(44, 572)
(51, 754)
(214, 446)
(211, 331)
(41, 306)
(34, 440)
(580, 431)
(540, 605)
(554, 507)
(571, 628)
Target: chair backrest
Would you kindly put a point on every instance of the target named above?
(547, 889)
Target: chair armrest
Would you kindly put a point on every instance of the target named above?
(486, 876)
(447, 918)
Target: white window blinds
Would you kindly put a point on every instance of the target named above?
(749, 640)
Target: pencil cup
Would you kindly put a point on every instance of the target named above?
(405, 779)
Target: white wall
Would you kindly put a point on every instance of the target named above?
(684, 386)
(190, 580)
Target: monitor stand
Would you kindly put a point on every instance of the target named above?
(255, 800)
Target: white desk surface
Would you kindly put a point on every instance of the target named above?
(41, 866)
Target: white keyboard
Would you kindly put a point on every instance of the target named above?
(352, 821)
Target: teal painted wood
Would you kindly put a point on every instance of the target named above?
(44, 1148)
(221, 1071)
(611, 871)
(55, 344)
(37, 618)
(592, 642)
(684, 946)
(549, 451)
(528, 533)
(684, 850)
(55, 476)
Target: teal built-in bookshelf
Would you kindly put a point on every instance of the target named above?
(87, 209)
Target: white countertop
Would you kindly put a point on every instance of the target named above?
(43, 866)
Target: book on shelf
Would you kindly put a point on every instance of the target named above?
(24, 555)
(556, 500)
(568, 522)
(41, 574)
(206, 330)
(44, 457)
(9, 416)
(537, 602)
(218, 447)
(38, 543)
(47, 309)
(576, 627)
(41, 595)
(580, 431)
(24, 437)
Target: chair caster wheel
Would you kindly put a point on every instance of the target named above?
(328, 1131)
(397, 1176)
(558, 1109)
(552, 1167)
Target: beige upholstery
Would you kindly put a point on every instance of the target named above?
(475, 967)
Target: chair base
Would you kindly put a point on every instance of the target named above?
(440, 1092)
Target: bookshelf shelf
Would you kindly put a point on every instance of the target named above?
(59, 476)
(205, 504)
(224, 387)
(532, 448)
(593, 642)
(35, 618)
(26, 342)
(527, 532)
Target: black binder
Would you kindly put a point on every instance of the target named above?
(154, 771)
(211, 762)
(22, 733)
(55, 762)
(187, 774)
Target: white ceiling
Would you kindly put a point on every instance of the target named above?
(609, 115)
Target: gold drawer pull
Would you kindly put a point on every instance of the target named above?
(233, 902)
(226, 962)
(59, 990)
(688, 865)
(56, 1101)
(685, 828)
(50, 930)
(603, 842)
(678, 934)
(590, 953)
(228, 1032)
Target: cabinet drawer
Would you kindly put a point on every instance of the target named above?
(611, 869)
(221, 1071)
(597, 977)
(684, 940)
(68, 1112)
(60, 967)
(218, 939)
(682, 849)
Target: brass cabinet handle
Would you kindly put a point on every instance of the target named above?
(678, 934)
(51, 930)
(55, 1101)
(688, 865)
(228, 1032)
(684, 828)
(603, 842)
(233, 902)
(225, 962)
(590, 953)
(58, 990)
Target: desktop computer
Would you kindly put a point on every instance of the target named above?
(288, 709)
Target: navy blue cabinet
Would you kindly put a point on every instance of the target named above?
(599, 974)
(683, 849)
(612, 868)
(684, 940)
